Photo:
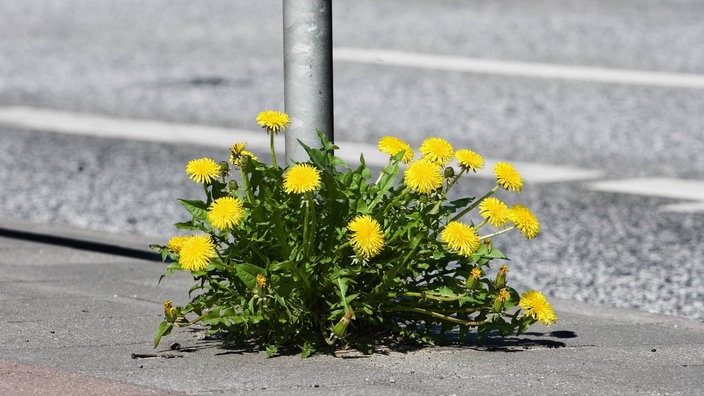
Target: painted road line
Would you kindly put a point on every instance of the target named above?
(531, 172)
(518, 69)
(144, 130)
(684, 207)
(689, 190)
(542, 173)
(158, 131)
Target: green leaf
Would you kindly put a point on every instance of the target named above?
(198, 209)
(342, 288)
(187, 225)
(524, 323)
(283, 285)
(307, 350)
(366, 173)
(494, 253)
(513, 301)
(173, 266)
(387, 181)
(164, 251)
(460, 203)
(248, 274)
(342, 285)
(444, 292)
(164, 330)
(351, 298)
(218, 189)
(271, 350)
(327, 144)
(470, 300)
(215, 317)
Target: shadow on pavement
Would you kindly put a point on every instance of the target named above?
(80, 244)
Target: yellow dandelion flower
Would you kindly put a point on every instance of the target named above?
(473, 279)
(176, 242)
(261, 281)
(503, 295)
(393, 145)
(225, 212)
(501, 276)
(203, 170)
(525, 221)
(301, 178)
(494, 211)
(476, 273)
(239, 159)
(460, 238)
(537, 306)
(273, 121)
(437, 150)
(367, 239)
(196, 253)
(507, 177)
(237, 148)
(169, 311)
(423, 176)
(469, 160)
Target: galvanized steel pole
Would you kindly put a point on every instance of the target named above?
(308, 96)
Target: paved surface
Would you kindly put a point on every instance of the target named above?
(77, 305)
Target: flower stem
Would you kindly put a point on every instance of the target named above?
(505, 230)
(309, 224)
(424, 295)
(306, 225)
(273, 152)
(245, 185)
(453, 181)
(435, 315)
(475, 203)
(482, 224)
(381, 174)
(207, 194)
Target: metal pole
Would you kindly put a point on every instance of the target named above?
(307, 74)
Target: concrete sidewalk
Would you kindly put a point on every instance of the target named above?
(77, 305)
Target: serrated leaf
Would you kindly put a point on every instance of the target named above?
(248, 274)
(461, 203)
(198, 209)
(187, 225)
(444, 292)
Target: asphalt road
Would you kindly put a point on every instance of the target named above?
(219, 63)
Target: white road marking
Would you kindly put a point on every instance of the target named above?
(158, 131)
(542, 173)
(520, 69)
(684, 207)
(144, 130)
(690, 190)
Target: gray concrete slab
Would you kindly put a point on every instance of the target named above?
(72, 318)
